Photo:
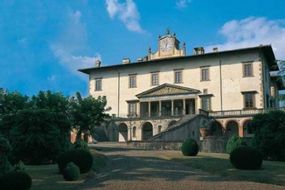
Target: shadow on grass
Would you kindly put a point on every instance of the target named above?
(270, 173)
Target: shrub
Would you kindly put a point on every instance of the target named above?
(233, 143)
(5, 165)
(247, 158)
(190, 147)
(20, 166)
(16, 180)
(270, 134)
(80, 144)
(5, 147)
(82, 158)
(71, 172)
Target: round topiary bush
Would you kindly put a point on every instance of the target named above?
(80, 144)
(16, 180)
(71, 172)
(190, 147)
(246, 158)
(82, 158)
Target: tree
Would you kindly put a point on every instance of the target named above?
(270, 134)
(87, 113)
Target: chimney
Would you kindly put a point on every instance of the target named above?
(98, 63)
(126, 61)
(215, 49)
(199, 51)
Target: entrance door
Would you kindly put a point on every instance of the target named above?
(190, 106)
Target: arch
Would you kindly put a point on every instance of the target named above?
(231, 128)
(123, 132)
(147, 131)
(171, 123)
(134, 131)
(159, 128)
(247, 127)
(216, 128)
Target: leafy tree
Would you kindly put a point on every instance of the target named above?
(36, 136)
(87, 113)
(270, 134)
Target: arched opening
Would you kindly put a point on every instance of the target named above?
(134, 132)
(231, 128)
(123, 132)
(171, 123)
(248, 129)
(147, 131)
(216, 129)
(159, 129)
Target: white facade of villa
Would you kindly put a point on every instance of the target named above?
(149, 94)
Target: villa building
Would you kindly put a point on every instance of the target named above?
(148, 96)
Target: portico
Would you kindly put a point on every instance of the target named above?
(167, 100)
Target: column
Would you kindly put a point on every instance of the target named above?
(159, 108)
(172, 108)
(184, 107)
(138, 109)
(149, 109)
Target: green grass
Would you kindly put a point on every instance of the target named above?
(47, 176)
(272, 172)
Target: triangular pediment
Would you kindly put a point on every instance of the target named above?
(166, 90)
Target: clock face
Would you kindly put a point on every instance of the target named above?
(166, 45)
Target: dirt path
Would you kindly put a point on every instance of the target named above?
(143, 170)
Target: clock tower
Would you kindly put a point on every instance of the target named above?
(168, 46)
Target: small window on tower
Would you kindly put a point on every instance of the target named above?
(98, 84)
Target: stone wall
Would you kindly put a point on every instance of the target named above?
(213, 144)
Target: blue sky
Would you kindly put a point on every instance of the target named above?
(43, 42)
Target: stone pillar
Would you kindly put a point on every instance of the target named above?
(138, 109)
(184, 107)
(159, 108)
(172, 108)
(149, 109)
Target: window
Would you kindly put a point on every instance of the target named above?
(154, 79)
(132, 109)
(205, 74)
(178, 76)
(98, 84)
(134, 131)
(206, 103)
(159, 129)
(132, 81)
(249, 99)
(247, 70)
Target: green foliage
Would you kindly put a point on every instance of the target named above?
(80, 144)
(87, 113)
(247, 158)
(234, 142)
(16, 180)
(20, 166)
(190, 147)
(71, 172)
(270, 134)
(5, 148)
(38, 136)
(82, 158)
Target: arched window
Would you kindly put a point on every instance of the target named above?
(134, 131)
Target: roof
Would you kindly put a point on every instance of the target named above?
(266, 49)
(167, 89)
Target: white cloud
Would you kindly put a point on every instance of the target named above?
(126, 12)
(253, 31)
(182, 3)
(71, 43)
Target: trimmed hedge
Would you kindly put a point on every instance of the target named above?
(71, 172)
(246, 158)
(16, 180)
(80, 144)
(233, 143)
(190, 147)
(82, 158)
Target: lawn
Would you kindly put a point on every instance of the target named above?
(47, 176)
(272, 172)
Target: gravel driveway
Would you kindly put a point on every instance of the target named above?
(129, 169)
